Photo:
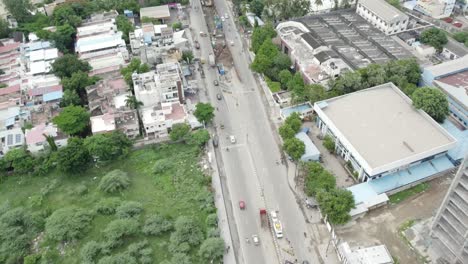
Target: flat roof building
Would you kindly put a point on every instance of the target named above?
(435, 8)
(157, 12)
(380, 132)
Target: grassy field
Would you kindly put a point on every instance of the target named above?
(403, 195)
(182, 189)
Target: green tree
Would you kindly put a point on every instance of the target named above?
(212, 249)
(51, 142)
(329, 143)
(132, 102)
(70, 97)
(187, 56)
(265, 55)
(181, 258)
(63, 38)
(204, 112)
(78, 82)
(20, 161)
(73, 120)
(121, 228)
(282, 61)
(336, 205)
(256, 6)
(461, 36)
(260, 34)
(67, 224)
(294, 121)
(372, 75)
(19, 9)
(348, 82)
(294, 147)
(179, 131)
(199, 137)
(74, 157)
(286, 132)
(68, 64)
(156, 224)
(314, 93)
(4, 29)
(65, 14)
(297, 87)
(284, 77)
(120, 258)
(434, 37)
(177, 26)
(124, 25)
(114, 181)
(395, 3)
(186, 230)
(315, 182)
(109, 146)
(90, 251)
(129, 209)
(134, 66)
(432, 101)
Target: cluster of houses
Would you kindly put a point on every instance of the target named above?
(30, 94)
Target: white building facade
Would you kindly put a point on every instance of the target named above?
(383, 16)
(435, 8)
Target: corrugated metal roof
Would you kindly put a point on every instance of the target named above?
(52, 96)
(383, 9)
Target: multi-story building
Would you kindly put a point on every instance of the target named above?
(435, 8)
(383, 16)
(10, 62)
(451, 77)
(159, 119)
(450, 225)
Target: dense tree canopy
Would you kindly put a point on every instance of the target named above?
(336, 205)
(156, 224)
(315, 182)
(19, 160)
(179, 131)
(73, 120)
(124, 25)
(134, 66)
(186, 230)
(260, 34)
(4, 30)
(19, 9)
(294, 147)
(434, 37)
(432, 101)
(212, 249)
(114, 181)
(68, 64)
(74, 157)
(204, 112)
(109, 146)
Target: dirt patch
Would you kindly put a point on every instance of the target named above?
(382, 225)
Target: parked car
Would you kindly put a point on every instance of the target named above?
(241, 205)
(215, 141)
(232, 139)
(219, 96)
(215, 82)
(226, 15)
(255, 240)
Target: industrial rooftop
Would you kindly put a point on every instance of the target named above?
(383, 126)
(356, 41)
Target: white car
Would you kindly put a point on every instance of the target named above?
(255, 240)
(222, 18)
(232, 139)
(226, 15)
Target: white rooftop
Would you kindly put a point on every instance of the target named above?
(103, 123)
(119, 100)
(383, 127)
(383, 9)
(449, 67)
(40, 67)
(109, 60)
(43, 54)
(96, 29)
(99, 42)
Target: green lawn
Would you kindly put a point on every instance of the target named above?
(181, 189)
(403, 195)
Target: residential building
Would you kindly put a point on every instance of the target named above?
(102, 95)
(325, 46)
(156, 12)
(10, 62)
(368, 255)
(450, 225)
(10, 96)
(164, 85)
(326, 6)
(158, 120)
(311, 152)
(35, 137)
(435, 8)
(454, 50)
(383, 16)
(127, 122)
(103, 123)
(10, 139)
(382, 143)
(283, 98)
(451, 77)
(99, 43)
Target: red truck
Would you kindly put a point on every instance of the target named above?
(263, 217)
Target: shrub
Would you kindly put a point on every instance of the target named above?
(212, 220)
(107, 206)
(329, 143)
(118, 229)
(212, 232)
(141, 251)
(114, 181)
(156, 224)
(121, 258)
(181, 258)
(90, 251)
(129, 210)
(212, 249)
(162, 165)
(67, 224)
(186, 230)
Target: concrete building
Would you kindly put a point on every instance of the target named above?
(158, 120)
(454, 50)
(435, 8)
(327, 45)
(378, 140)
(99, 43)
(10, 139)
(452, 78)
(383, 16)
(328, 5)
(10, 62)
(36, 140)
(162, 86)
(157, 12)
(311, 151)
(103, 123)
(450, 226)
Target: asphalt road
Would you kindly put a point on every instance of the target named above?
(250, 165)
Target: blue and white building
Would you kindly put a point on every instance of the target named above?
(451, 77)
